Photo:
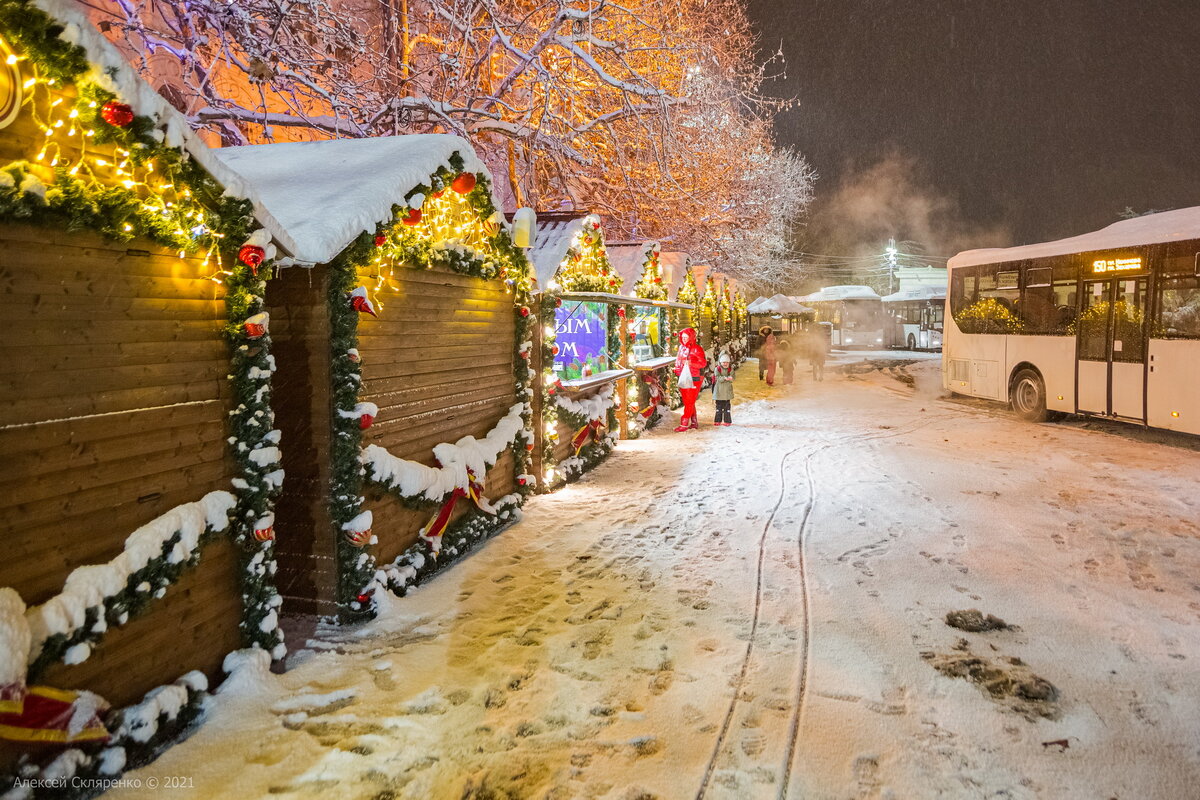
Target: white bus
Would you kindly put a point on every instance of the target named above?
(855, 312)
(1106, 324)
(915, 317)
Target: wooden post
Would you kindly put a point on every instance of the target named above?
(623, 384)
(537, 364)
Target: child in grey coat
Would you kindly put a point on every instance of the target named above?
(723, 390)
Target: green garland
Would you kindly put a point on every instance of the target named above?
(357, 568)
(121, 214)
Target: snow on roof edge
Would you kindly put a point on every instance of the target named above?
(1165, 226)
(315, 198)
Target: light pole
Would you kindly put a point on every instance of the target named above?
(891, 264)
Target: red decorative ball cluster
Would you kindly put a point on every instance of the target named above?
(380, 240)
(524, 311)
(413, 217)
(118, 114)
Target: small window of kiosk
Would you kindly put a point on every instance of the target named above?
(581, 334)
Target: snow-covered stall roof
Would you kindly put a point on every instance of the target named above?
(917, 293)
(627, 259)
(752, 307)
(315, 198)
(554, 235)
(848, 292)
(111, 71)
(674, 267)
(1166, 226)
(781, 304)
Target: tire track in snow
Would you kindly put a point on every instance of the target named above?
(803, 655)
(758, 592)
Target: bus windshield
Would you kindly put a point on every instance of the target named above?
(862, 315)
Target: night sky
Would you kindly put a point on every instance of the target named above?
(1034, 118)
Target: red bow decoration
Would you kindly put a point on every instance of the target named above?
(656, 395)
(588, 433)
(47, 716)
(437, 526)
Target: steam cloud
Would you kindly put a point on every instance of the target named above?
(892, 198)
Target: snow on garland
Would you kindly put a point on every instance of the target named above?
(414, 564)
(356, 570)
(576, 414)
(99, 595)
(135, 736)
(413, 479)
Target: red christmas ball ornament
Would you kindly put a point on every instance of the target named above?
(365, 597)
(529, 447)
(412, 217)
(524, 311)
(438, 194)
(658, 280)
(596, 226)
(525, 354)
(554, 349)
(252, 256)
(117, 114)
(550, 391)
(380, 240)
(463, 183)
(621, 313)
(264, 529)
(365, 421)
(256, 326)
(361, 303)
(353, 355)
(558, 302)
(520, 481)
(359, 538)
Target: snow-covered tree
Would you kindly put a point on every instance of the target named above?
(646, 111)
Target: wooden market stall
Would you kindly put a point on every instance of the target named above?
(213, 355)
(593, 341)
(134, 483)
(413, 327)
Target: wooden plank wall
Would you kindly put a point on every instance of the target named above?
(304, 546)
(438, 361)
(113, 399)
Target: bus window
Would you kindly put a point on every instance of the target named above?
(1048, 306)
(1178, 314)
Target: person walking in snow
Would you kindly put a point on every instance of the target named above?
(786, 362)
(723, 390)
(690, 362)
(766, 354)
(816, 353)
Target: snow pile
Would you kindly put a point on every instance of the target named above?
(89, 586)
(139, 723)
(15, 638)
(316, 197)
(595, 407)
(410, 478)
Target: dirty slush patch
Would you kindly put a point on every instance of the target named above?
(973, 620)
(1008, 680)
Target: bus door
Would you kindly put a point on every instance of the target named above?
(1111, 349)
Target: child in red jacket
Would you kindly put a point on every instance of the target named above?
(690, 362)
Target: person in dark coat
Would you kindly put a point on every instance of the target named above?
(766, 354)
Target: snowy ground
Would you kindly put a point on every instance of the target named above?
(742, 613)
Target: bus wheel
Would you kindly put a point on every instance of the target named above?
(912, 342)
(1029, 396)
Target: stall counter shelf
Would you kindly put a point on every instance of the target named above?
(592, 381)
